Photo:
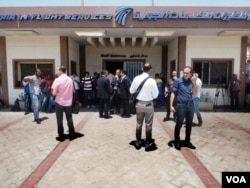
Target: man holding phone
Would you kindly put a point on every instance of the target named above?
(183, 89)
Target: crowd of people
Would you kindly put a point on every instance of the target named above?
(111, 93)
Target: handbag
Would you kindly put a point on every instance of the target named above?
(134, 96)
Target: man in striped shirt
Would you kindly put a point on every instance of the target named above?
(87, 83)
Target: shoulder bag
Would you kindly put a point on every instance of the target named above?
(134, 96)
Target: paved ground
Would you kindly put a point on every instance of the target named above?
(31, 157)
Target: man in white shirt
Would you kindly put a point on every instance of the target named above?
(196, 99)
(35, 92)
(144, 106)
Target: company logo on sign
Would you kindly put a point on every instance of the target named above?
(121, 14)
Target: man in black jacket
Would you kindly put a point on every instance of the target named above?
(125, 84)
(103, 94)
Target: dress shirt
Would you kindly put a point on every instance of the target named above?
(149, 90)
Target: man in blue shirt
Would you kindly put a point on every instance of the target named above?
(183, 89)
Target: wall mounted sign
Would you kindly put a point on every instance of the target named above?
(120, 55)
(122, 13)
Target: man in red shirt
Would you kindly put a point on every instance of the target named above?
(48, 98)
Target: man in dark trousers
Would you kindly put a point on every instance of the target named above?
(234, 89)
(63, 89)
(183, 89)
(115, 102)
(103, 94)
(125, 84)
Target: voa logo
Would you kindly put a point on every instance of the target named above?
(236, 179)
(121, 14)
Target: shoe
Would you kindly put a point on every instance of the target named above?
(150, 146)
(165, 119)
(177, 145)
(107, 117)
(199, 124)
(138, 144)
(38, 121)
(73, 136)
(101, 116)
(111, 112)
(60, 138)
(189, 145)
(26, 113)
(126, 116)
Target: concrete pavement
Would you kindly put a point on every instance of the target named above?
(103, 157)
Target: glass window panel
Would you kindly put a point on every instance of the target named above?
(213, 72)
(24, 68)
(218, 73)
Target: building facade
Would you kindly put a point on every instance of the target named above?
(213, 40)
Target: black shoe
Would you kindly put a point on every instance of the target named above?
(111, 112)
(126, 116)
(26, 113)
(38, 121)
(101, 116)
(177, 145)
(138, 144)
(60, 138)
(166, 119)
(189, 145)
(75, 135)
(150, 146)
(107, 117)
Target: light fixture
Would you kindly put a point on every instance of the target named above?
(234, 33)
(91, 33)
(158, 33)
(19, 32)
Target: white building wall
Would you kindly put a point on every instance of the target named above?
(94, 59)
(37, 47)
(74, 55)
(172, 54)
(214, 47)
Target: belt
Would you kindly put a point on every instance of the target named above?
(186, 103)
(144, 101)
